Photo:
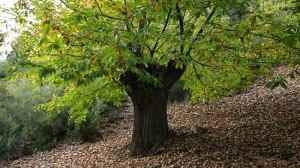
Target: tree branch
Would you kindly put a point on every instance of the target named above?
(262, 35)
(172, 74)
(147, 47)
(198, 75)
(181, 24)
(256, 34)
(201, 29)
(139, 47)
(200, 63)
(64, 3)
(161, 45)
(98, 6)
(163, 30)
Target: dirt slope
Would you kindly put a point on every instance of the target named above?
(258, 128)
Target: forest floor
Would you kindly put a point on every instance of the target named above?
(258, 128)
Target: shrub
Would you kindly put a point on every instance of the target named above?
(25, 128)
(8, 124)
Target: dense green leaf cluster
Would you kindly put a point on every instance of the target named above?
(88, 45)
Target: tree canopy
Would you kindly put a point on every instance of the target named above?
(108, 48)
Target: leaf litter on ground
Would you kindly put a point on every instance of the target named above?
(258, 128)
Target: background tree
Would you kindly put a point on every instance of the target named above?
(142, 47)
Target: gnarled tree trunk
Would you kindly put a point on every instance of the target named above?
(150, 127)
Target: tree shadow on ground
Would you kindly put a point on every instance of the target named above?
(245, 145)
(260, 133)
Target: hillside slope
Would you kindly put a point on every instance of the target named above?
(258, 128)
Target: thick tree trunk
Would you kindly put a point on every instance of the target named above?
(150, 127)
(150, 119)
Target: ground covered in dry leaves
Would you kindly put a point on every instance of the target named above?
(258, 128)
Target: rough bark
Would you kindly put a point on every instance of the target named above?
(150, 107)
(150, 119)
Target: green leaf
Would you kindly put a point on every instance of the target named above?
(292, 74)
(283, 84)
(46, 29)
(272, 85)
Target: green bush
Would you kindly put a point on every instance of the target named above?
(8, 125)
(25, 128)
